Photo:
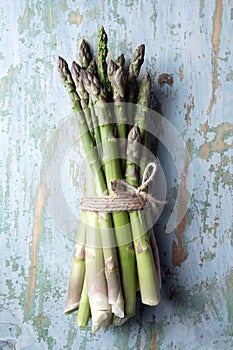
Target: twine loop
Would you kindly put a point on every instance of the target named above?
(125, 197)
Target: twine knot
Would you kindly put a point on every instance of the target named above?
(126, 197)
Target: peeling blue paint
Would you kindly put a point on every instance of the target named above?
(196, 310)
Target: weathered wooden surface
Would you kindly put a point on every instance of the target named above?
(192, 40)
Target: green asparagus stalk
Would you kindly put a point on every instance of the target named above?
(84, 54)
(147, 276)
(102, 52)
(141, 115)
(140, 118)
(155, 252)
(84, 311)
(112, 172)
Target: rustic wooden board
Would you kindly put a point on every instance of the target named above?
(190, 40)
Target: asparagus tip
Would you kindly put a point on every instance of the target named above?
(61, 63)
(112, 67)
(82, 42)
(134, 133)
(76, 70)
(102, 30)
(120, 61)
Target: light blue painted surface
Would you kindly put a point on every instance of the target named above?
(191, 40)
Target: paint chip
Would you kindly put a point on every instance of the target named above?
(166, 79)
(75, 17)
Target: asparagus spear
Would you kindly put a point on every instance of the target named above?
(147, 276)
(69, 84)
(102, 52)
(84, 54)
(141, 114)
(112, 172)
(140, 118)
(84, 304)
(155, 251)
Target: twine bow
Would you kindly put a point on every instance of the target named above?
(125, 196)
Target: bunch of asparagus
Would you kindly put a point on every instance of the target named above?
(115, 253)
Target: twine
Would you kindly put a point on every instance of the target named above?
(125, 196)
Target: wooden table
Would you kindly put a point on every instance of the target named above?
(191, 41)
